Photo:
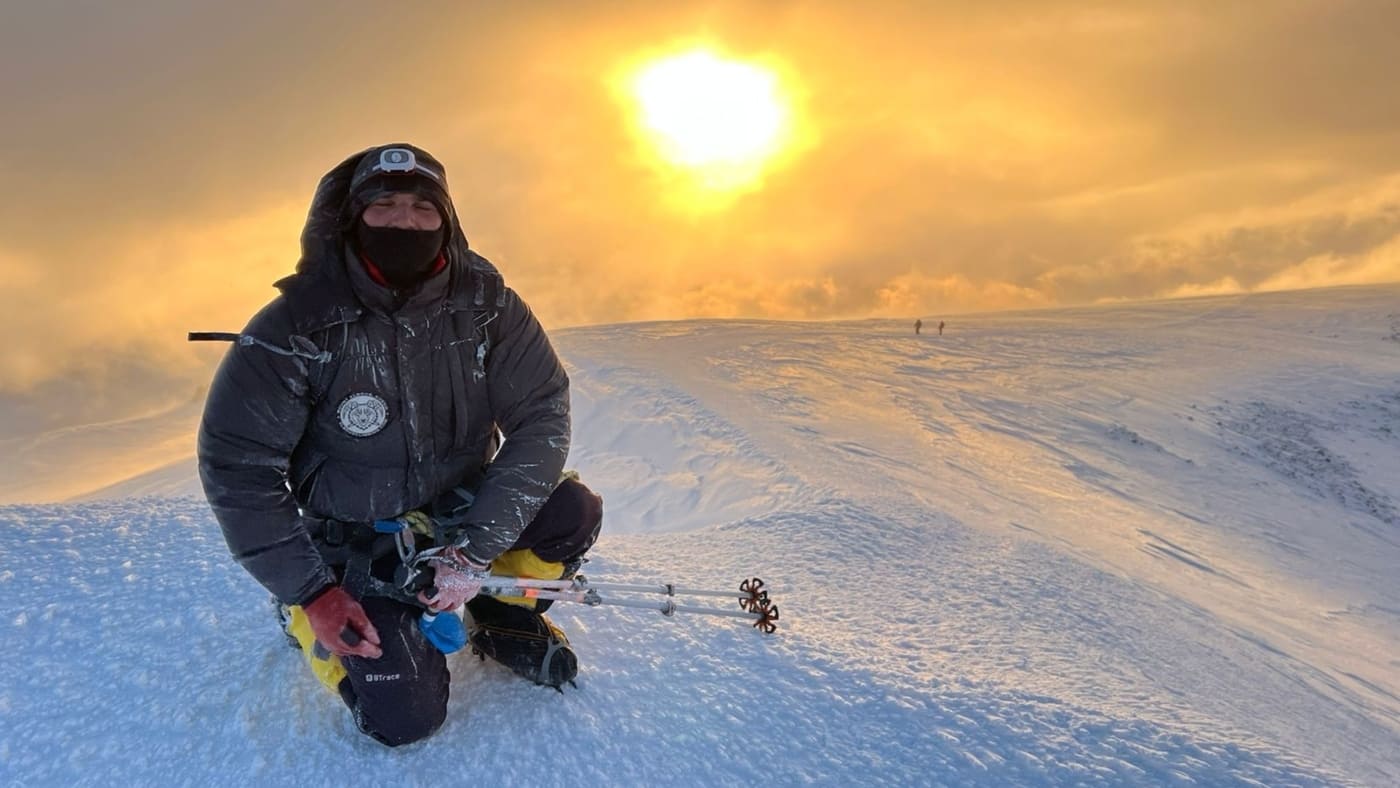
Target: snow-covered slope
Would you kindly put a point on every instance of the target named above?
(1152, 543)
(77, 461)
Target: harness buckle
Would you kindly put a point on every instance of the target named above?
(334, 533)
(402, 533)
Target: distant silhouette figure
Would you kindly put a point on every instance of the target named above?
(940, 328)
(918, 326)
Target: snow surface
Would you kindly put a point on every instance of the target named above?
(1140, 544)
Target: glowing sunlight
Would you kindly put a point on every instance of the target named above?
(720, 120)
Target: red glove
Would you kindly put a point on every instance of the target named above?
(334, 617)
(455, 580)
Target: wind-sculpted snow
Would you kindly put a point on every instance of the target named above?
(150, 660)
(1134, 545)
(73, 461)
(1295, 445)
(693, 468)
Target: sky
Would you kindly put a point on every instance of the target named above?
(934, 159)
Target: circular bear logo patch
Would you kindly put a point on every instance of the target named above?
(362, 415)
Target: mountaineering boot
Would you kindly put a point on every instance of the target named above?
(324, 665)
(284, 618)
(522, 640)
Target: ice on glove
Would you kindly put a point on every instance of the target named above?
(455, 580)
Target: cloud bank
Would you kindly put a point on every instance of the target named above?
(952, 157)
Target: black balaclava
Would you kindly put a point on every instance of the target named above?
(403, 257)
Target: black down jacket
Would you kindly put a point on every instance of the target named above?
(343, 400)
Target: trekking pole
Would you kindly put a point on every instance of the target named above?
(747, 589)
(754, 604)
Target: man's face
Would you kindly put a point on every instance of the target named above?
(404, 210)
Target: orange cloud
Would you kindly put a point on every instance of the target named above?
(951, 156)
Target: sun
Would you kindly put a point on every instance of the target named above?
(722, 121)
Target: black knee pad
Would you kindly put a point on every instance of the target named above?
(396, 733)
(401, 697)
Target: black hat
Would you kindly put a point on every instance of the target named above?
(397, 168)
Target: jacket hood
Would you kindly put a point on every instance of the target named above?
(324, 236)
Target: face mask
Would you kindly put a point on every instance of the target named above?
(404, 257)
